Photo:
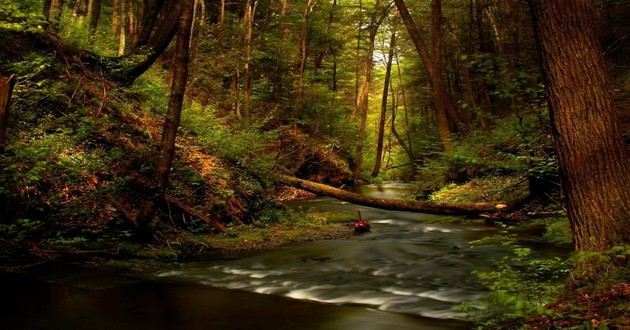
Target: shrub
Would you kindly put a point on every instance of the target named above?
(520, 287)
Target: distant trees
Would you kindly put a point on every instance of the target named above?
(378, 14)
(383, 118)
(448, 118)
(594, 163)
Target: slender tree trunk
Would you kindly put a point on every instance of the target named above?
(115, 21)
(383, 119)
(46, 9)
(132, 24)
(448, 118)
(80, 10)
(332, 48)
(56, 13)
(248, 21)
(198, 23)
(94, 8)
(403, 97)
(222, 13)
(399, 139)
(150, 12)
(594, 164)
(357, 69)
(6, 89)
(300, 65)
(363, 97)
(363, 107)
(173, 116)
(236, 92)
(178, 88)
(122, 27)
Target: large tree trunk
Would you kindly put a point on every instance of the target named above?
(6, 89)
(594, 164)
(383, 119)
(173, 116)
(393, 204)
(448, 118)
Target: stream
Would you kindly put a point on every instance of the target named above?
(408, 273)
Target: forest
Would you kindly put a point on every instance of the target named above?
(315, 164)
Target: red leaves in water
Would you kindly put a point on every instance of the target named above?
(361, 226)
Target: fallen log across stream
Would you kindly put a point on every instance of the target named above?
(470, 209)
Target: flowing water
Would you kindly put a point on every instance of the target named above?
(408, 273)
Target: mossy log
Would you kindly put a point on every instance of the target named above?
(471, 209)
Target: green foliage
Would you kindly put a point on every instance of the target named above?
(558, 232)
(21, 16)
(499, 189)
(21, 229)
(152, 89)
(519, 89)
(246, 147)
(597, 270)
(521, 286)
(77, 240)
(515, 147)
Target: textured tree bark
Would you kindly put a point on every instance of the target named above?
(448, 118)
(173, 116)
(594, 164)
(6, 89)
(383, 119)
(393, 204)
